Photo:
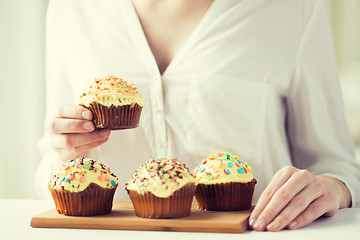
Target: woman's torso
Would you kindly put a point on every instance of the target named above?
(221, 88)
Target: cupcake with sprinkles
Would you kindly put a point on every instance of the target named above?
(224, 183)
(115, 103)
(162, 188)
(83, 187)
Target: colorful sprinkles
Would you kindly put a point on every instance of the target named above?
(113, 182)
(166, 173)
(77, 174)
(210, 166)
(230, 164)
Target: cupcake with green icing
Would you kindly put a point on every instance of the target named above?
(83, 187)
(115, 103)
(224, 183)
(162, 188)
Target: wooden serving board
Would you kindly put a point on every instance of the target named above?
(122, 217)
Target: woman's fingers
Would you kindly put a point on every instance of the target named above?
(72, 133)
(296, 206)
(62, 125)
(79, 151)
(327, 204)
(73, 112)
(71, 119)
(313, 211)
(300, 198)
(282, 197)
(72, 145)
(72, 140)
(279, 179)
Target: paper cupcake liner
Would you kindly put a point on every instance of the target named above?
(150, 206)
(115, 118)
(94, 200)
(225, 196)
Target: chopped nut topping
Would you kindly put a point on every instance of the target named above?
(111, 88)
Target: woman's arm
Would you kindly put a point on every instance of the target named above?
(325, 173)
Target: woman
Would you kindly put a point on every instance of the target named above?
(254, 78)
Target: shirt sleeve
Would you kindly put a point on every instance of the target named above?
(317, 128)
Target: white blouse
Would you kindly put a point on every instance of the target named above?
(255, 78)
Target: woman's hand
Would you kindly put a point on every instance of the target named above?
(72, 132)
(295, 198)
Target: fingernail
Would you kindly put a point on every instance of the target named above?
(259, 225)
(86, 115)
(251, 222)
(104, 132)
(292, 224)
(274, 226)
(88, 125)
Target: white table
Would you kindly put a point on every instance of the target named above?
(15, 216)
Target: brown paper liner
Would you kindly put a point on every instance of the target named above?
(115, 118)
(225, 196)
(150, 206)
(94, 200)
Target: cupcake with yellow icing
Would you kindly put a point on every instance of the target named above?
(224, 183)
(162, 188)
(115, 104)
(83, 187)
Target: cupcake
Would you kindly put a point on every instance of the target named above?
(83, 187)
(162, 188)
(224, 183)
(115, 104)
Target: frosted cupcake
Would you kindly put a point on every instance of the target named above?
(162, 188)
(83, 187)
(115, 104)
(224, 183)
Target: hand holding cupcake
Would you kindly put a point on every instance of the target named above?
(115, 103)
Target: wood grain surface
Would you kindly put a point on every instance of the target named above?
(123, 217)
